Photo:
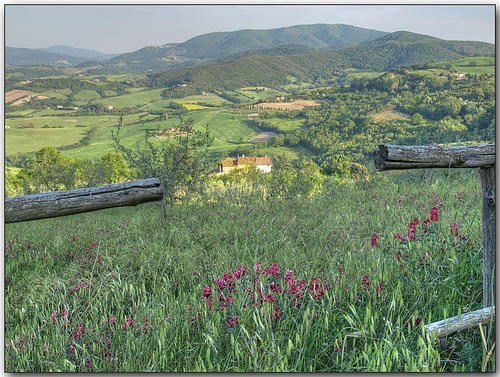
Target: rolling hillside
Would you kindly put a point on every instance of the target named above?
(394, 50)
(318, 36)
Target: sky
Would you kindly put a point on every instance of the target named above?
(118, 28)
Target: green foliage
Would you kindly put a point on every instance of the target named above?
(51, 170)
(178, 162)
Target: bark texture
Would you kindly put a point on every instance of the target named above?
(464, 322)
(390, 157)
(61, 203)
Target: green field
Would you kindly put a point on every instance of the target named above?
(66, 121)
(286, 126)
(31, 140)
(137, 99)
(84, 96)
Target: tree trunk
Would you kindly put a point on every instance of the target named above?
(61, 203)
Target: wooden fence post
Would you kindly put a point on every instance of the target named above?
(487, 175)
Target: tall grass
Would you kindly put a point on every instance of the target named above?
(196, 289)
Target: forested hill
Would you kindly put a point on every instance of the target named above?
(318, 36)
(390, 51)
(405, 48)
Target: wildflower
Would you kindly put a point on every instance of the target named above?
(275, 287)
(374, 239)
(270, 298)
(379, 288)
(207, 292)
(112, 319)
(365, 280)
(273, 270)
(233, 321)
(94, 244)
(221, 284)
(276, 313)
(398, 236)
(258, 268)
(338, 350)
(229, 280)
(434, 214)
(240, 273)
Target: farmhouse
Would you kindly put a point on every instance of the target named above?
(108, 107)
(263, 163)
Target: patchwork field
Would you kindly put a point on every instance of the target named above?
(15, 94)
(287, 106)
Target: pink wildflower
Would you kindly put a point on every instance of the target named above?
(207, 292)
(434, 214)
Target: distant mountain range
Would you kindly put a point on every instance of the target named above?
(203, 47)
(310, 45)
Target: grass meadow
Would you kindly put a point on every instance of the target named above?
(342, 281)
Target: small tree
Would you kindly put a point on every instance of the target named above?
(178, 162)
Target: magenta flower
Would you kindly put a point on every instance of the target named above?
(374, 239)
(273, 270)
(258, 268)
(379, 288)
(207, 292)
(221, 284)
(434, 214)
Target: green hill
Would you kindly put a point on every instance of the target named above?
(394, 50)
(317, 36)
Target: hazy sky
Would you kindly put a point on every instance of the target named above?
(122, 28)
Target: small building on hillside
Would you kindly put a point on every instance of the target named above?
(263, 163)
(108, 107)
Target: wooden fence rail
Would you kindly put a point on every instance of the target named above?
(466, 321)
(390, 157)
(61, 203)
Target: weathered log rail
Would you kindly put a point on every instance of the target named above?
(390, 157)
(62, 203)
(466, 321)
